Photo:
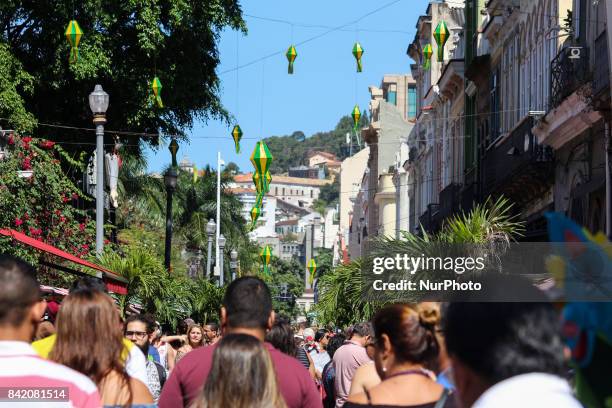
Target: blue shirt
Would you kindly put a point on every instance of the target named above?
(154, 354)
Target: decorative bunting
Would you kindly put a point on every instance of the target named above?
(259, 200)
(357, 53)
(261, 157)
(266, 255)
(441, 35)
(312, 268)
(267, 181)
(73, 34)
(291, 56)
(237, 135)
(427, 51)
(255, 213)
(157, 87)
(356, 114)
(258, 182)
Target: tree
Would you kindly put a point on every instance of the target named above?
(124, 45)
(286, 285)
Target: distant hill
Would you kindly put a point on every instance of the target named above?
(292, 150)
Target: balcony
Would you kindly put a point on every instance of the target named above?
(429, 220)
(517, 166)
(450, 200)
(568, 72)
(601, 78)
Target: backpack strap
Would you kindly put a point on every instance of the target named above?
(443, 398)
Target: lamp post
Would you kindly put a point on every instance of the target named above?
(199, 258)
(233, 262)
(98, 103)
(170, 179)
(220, 256)
(211, 228)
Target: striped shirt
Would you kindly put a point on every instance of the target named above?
(21, 367)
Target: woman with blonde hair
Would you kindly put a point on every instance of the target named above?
(90, 340)
(191, 340)
(241, 376)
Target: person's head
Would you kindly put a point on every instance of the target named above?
(402, 337)
(184, 324)
(89, 338)
(334, 344)
(88, 283)
(491, 342)
(247, 307)
(195, 335)
(44, 330)
(281, 336)
(309, 335)
(211, 331)
(21, 304)
(431, 312)
(322, 337)
(242, 375)
(140, 329)
(361, 333)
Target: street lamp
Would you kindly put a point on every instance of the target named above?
(221, 246)
(233, 262)
(170, 180)
(211, 228)
(98, 103)
(199, 258)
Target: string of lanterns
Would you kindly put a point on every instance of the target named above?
(266, 256)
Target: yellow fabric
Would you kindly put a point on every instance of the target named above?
(43, 347)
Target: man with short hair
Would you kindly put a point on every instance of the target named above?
(140, 329)
(507, 355)
(21, 309)
(211, 333)
(348, 358)
(247, 309)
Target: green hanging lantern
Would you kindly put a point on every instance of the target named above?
(157, 87)
(266, 256)
(312, 268)
(237, 135)
(291, 56)
(268, 181)
(261, 158)
(258, 182)
(357, 53)
(427, 51)
(259, 200)
(441, 35)
(356, 114)
(73, 34)
(255, 213)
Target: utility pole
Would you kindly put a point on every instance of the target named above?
(218, 271)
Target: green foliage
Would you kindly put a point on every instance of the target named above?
(206, 299)
(286, 285)
(330, 192)
(41, 206)
(290, 151)
(124, 45)
(324, 259)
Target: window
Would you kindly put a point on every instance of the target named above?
(392, 97)
(275, 190)
(495, 108)
(412, 102)
(311, 193)
(283, 190)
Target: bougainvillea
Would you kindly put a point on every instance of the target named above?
(39, 199)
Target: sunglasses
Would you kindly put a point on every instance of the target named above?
(137, 334)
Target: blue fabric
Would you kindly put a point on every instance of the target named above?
(444, 380)
(154, 354)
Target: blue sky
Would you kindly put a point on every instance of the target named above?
(325, 85)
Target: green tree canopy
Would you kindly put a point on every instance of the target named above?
(124, 46)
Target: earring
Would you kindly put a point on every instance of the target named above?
(384, 369)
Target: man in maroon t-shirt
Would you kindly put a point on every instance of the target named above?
(247, 308)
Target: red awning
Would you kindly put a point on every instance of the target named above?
(114, 282)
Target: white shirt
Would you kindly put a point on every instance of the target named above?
(534, 390)
(136, 364)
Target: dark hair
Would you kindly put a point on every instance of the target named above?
(320, 334)
(361, 329)
(334, 344)
(413, 340)
(501, 340)
(241, 375)
(87, 284)
(18, 291)
(248, 303)
(213, 326)
(281, 337)
(145, 318)
(184, 324)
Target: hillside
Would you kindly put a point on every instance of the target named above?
(291, 150)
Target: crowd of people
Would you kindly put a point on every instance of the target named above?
(426, 355)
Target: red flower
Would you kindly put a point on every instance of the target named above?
(26, 164)
(85, 247)
(26, 216)
(106, 241)
(62, 219)
(81, 227)
(18, 222)
(75, 196)
(47, 144)
(11, 140)
(25, 142)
